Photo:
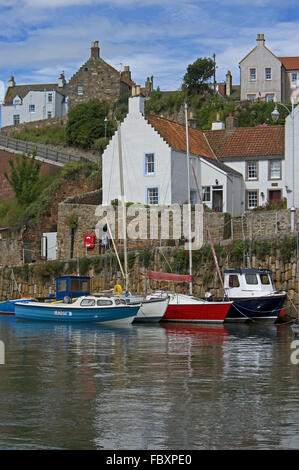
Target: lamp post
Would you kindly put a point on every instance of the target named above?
(105, 122)
(275, 116)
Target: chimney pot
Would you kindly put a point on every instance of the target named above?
(95, 50)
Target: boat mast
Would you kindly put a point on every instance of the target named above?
(122, 191)
(189, 199)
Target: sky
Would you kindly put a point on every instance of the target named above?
(39, 39)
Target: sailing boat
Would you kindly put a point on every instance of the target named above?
(151, 309)
(182, 307)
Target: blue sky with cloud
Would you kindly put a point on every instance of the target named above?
(41, 38)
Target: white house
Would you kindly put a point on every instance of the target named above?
(265, 76)
(258, 154)
(27, 103)
(292, 159)
(155, 165)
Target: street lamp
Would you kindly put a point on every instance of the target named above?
(275, 115)
(105, 121)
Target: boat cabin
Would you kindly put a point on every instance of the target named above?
(247, 282)
(72, 287)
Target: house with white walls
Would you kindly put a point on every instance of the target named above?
(264, 76)
(292, 158)
(258, 153)
(154, 163)
(28, 103)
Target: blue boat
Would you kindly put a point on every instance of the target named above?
(8, 307)
(253, 294)
(85, 309)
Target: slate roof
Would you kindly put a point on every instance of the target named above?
(23, 90)
(244, 142)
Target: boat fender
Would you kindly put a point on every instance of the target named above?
(66, 300)
(118, 289)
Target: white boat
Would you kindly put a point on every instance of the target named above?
(253, 294)
(152, 309)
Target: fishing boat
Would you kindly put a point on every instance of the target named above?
(188, 308)
(253, 294)
(85, 309)
(8, 307)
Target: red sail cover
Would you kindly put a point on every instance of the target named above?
(169, 277)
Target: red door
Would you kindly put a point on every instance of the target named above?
(275, 195)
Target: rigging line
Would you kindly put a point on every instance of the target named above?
(208, 228)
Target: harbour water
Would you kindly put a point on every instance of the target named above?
(166, 386)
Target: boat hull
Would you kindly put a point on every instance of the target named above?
(67, 313)
(208, 312)
(8, 307)
(151, 311)
(262, 309)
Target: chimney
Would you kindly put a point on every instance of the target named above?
(231, 123)
(95, 50)
(126, 72)
(228, 82)
(261, 39)
(11, 82)
(218, 125)
(61, 81)
(136, 102)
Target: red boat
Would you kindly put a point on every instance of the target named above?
(186, 308)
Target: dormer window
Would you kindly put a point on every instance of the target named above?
(17, 100)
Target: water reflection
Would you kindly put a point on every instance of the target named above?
(167, 386)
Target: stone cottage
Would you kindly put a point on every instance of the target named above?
(97, 79)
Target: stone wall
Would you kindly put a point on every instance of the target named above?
(39, 279)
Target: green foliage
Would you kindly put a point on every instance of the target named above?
(197, 76)
(164, 101)
(287, 248)
(72, 221)
(86, 124)
(49, 269)
(24, 178)
(146, 256)
(84, 265)
(52, 135)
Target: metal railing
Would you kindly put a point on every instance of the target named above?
(42, 151)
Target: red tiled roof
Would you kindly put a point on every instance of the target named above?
(175, 135)
(290, 63)
(247, 141)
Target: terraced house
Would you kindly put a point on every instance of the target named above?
(27, 103)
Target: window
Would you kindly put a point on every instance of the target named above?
(62, 285)
(49, 114)
(251, 97)
(274, 170)
(233, 281)
(149, 163)
(88, 303)
(16, 119)
(252, 170)
(80, 90)
(252, 74)
(104, 302)
(252, 199)
(265, 279)
(294, 79)
(32, 108)
(152, 196)
(268, 73)
(251, 279)
(50, 97)
(270, 97)
(206, 193)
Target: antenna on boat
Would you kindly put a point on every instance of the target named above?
(189, 199)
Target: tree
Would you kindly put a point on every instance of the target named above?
(197, 76)
(86, 123)
(24, 177)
